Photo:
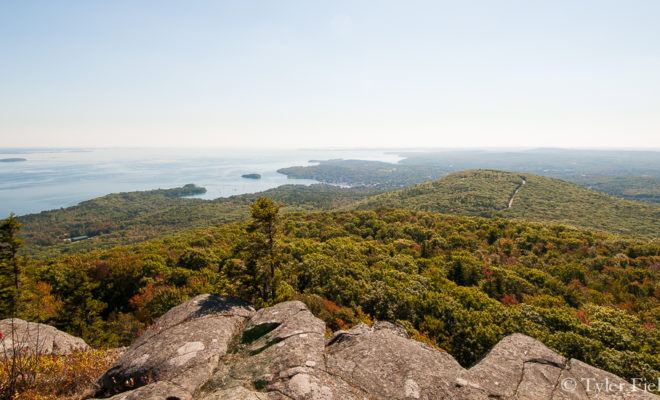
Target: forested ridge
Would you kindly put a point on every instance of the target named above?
(631, 175)
(458, 283)
(487, 193)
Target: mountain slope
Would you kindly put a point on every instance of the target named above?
(488, 193)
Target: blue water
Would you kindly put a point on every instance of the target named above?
(54, 178)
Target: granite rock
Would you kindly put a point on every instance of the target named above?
(43, 338)
(213, 348)
(182, 348)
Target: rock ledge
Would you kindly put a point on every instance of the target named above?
(213, 348)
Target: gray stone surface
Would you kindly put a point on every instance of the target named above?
(383, 361)
(518, 365)
(43, 338)
(281, 353)
(182, 348)
(241, 393)
(162, 390)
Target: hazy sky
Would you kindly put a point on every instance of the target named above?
(309, 73)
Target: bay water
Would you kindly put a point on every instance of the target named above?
(55, 178)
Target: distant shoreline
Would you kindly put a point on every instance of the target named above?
(13, 159)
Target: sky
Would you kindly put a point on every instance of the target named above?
(301, 74)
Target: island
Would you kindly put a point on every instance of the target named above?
(185, 191)
(14, 159)
(251, 176)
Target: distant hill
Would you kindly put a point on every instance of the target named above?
(366, 173)
(631, 175)
(639, 188)
(488, 193)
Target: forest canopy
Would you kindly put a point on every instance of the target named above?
(458, 283)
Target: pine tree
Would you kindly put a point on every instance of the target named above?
(263, 232)
(10, 265)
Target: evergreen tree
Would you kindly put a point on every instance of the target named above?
(262, 261)
(10, 265)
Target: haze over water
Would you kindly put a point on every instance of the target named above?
(54, 178)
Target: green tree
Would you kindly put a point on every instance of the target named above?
(10, 265)
(81, 310)
(263, 231)
(197, 259)
(464, 269)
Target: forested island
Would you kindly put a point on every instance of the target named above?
(251, 176)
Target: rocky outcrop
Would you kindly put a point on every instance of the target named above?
(39, 338)
(178, 354)
(214, 348)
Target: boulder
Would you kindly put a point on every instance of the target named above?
(383, 361)
(280, 352)
(41, 338)
(179, 352)
(214, 348)
(518, 366)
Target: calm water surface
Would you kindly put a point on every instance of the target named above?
(54, 178)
